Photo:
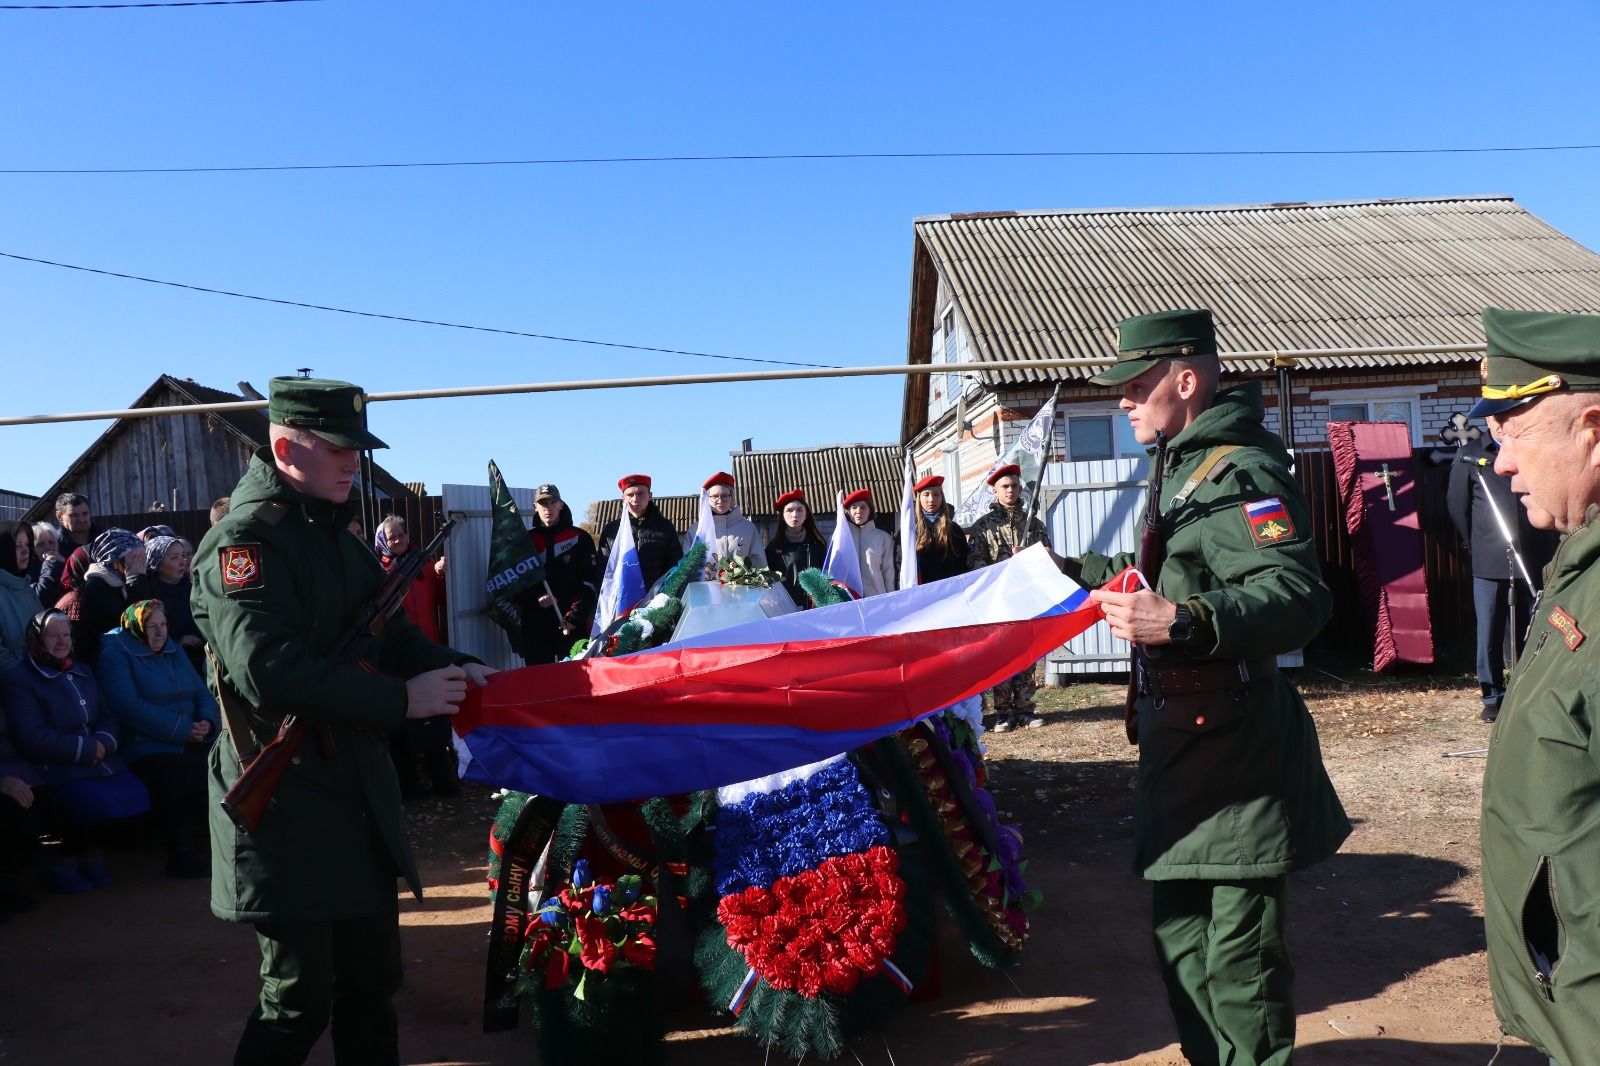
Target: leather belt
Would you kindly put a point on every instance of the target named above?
(1213, 676)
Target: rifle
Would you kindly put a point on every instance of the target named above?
(246, 801)
(1152, 553)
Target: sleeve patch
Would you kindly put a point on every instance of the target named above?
(1268, 521)
(240, 565)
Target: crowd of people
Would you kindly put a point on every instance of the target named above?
(575, 565)
(104, 716)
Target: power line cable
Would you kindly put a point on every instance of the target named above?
(166, 3)
(413, 320)
(814, 157)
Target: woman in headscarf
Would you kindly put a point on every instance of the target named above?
(168, 721)
(167, 562)
(798, 545)
(426, 738)
(941, 543)
(60, 725)
(18, 601)
(117, 578)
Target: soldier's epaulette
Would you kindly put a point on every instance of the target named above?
(270, 512)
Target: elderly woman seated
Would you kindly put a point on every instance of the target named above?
(60, 726)
(169, 721)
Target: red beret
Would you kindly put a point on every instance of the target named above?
(719, 478)
(859, 496)
(1009, 470)
(932, 481)
(630, 480)
(792, 496)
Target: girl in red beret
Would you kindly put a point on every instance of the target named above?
(798, 545)
(941, 544)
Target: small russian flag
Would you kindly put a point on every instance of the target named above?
(897, 975)
(1261, 510)
(742, 996)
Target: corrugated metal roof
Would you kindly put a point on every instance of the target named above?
(763, 476)
(682, 511)
(1053, 284)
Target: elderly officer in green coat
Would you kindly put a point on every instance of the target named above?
(1541, 789)
(275, 584)
(1231, 793)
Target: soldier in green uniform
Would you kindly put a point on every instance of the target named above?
(1541, 790)
(1231, 792)
(1002, 531)
(276, 582)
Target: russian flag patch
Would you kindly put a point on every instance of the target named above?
(1268, 521)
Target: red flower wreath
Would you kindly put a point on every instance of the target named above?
(823, 929)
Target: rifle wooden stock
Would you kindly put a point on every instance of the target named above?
(247, 799)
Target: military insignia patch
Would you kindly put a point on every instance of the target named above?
(1268, 520)
(241, 567)
(1567, 626)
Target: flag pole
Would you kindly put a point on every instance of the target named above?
(1044, 458)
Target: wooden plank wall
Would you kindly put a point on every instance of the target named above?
(194, 456)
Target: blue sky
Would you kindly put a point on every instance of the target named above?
(805, 261)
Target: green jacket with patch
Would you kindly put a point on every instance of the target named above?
(1541, 818)
(275, 584)
(1231, 783)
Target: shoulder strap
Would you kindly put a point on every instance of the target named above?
(1211, 469)
(270, 512)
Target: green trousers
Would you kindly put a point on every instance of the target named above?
(1225, 962)
(314, 973)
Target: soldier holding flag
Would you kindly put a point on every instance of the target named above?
(1231, 794)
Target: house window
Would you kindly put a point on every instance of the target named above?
(1090, 437)
(1373, 411)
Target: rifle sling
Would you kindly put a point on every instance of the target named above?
(234, 717)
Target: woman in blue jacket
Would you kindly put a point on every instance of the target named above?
(169, 721)
(60, 725)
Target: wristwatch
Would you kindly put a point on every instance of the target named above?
(1182, 627)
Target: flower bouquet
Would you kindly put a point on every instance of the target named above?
(738, 571)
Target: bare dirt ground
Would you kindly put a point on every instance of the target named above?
(1387, 936)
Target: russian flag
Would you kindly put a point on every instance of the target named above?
(769, 695)
(842, 563)
(1262, 510)
(623, 584)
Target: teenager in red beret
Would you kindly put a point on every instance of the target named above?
(736, 534)
(798, 545)
(1003, 531)
(656, 537)
(941, 543)
(875, 549)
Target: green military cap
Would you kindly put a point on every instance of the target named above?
(1145, 340)
(333, 410)
(1534, 353)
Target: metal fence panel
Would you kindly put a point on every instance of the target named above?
(1093, 506)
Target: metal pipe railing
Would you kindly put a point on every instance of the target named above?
(899, 369)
